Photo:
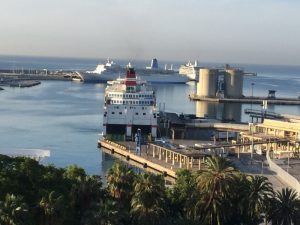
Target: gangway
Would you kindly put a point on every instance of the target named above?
(263, 114)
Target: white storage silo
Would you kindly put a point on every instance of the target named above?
(208, 82)
(234, 83)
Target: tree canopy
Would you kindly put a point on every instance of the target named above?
(34, 194)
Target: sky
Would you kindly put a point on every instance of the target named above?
(233, 31)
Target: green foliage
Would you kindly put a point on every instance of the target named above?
(284, 207)
(13, 211)
(51, 206)
(33, 194)
(74, 172)
(148, 200)
(120, 180)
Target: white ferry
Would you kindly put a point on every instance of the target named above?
(109, 66)
(190, 70)
(130, 104)
(111, 71)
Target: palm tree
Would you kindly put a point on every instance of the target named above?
(183, 194)
(284, 208)
(258, 190)
(147, 201)
(84, 194)
(107, 212)
(215, 183)
(74, 172)
(249, 199)
(13, 210)
(120, 180)
(52, 204)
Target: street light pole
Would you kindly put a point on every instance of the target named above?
(288, 165)
(252, 84)
(252, 143)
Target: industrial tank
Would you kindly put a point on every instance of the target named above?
(208, 82)
(234, 83)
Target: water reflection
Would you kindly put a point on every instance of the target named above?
(232, 112)
(219, 111)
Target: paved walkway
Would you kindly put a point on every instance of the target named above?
(258, 167)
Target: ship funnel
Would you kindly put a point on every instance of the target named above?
(196, 63)
(130, 80)
(154, 64)
(129, 65)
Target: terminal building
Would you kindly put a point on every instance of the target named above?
(289, 129)
(284, 131)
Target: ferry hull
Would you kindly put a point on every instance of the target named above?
(150, 78)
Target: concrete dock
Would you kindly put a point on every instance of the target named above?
(143, 159)
(248, 100)
(168, 160)
(161, 159)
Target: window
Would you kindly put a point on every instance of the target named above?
(120, 113)
(136, 113)
(144, 114)
(112, 112)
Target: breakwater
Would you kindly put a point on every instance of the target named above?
(248, 100)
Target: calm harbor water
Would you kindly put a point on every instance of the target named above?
(66, 117)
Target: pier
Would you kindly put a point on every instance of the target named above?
(248, 100)
(143, 159)
(167, 160)
(19, 83)
(24, 83)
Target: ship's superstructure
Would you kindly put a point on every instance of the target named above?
(190, 70)
(129, 106)
(109, 66)
(111, 71)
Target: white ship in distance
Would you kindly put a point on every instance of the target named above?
(190, 70)
(111, 71)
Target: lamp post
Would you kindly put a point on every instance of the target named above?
(288, 165)
(251, 126)
(252, 84)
